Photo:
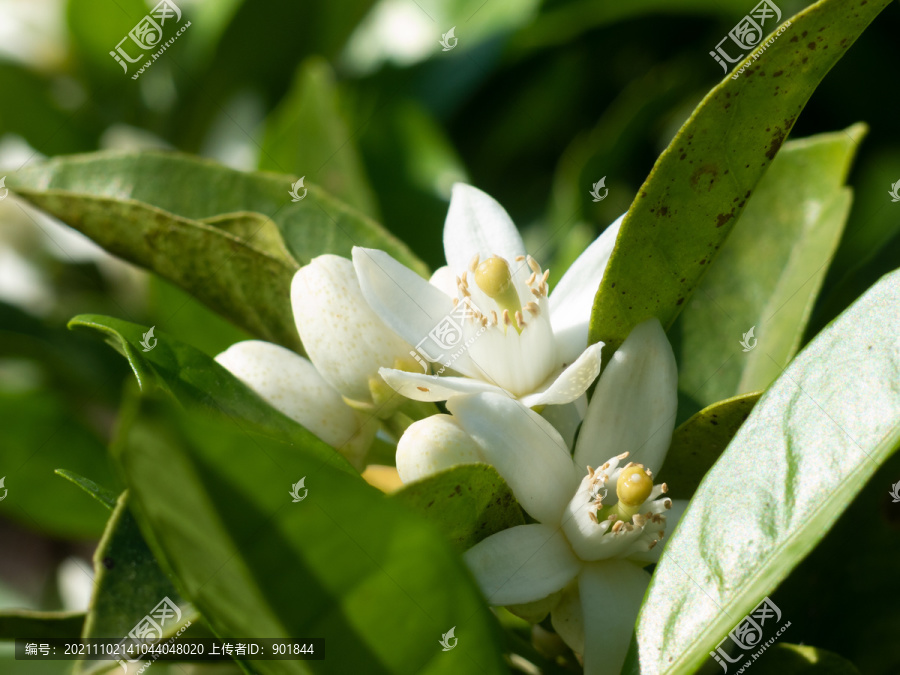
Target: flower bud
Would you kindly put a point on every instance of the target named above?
(434, 444)
(343, 337)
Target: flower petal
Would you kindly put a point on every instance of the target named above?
(571, 383)
(422, 387)
(567, 617)
(444, 279)
(611, 593)
(434, 444)
(476, 223)
(633, 407)
(524, 448)
(293, 386)
(522, 564)
(572, 300)
(409, 305)
(566, 418)
(673, 515)
(343, 337)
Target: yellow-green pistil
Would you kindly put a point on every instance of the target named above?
(632, 488)
(494, 279)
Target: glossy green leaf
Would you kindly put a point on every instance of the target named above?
(101, 494)
(468, 503)
(784, 658)
(700, 185)
(768, 273)
(238, 280)
(377, 582)
(698, 443)
(194, 378)
(810, 445)
(33, 625)
(195, 188)
(307, 135)
(128, 585)
(40, 434)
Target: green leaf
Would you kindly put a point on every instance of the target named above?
(40, 433)
(128, 585)
(700, 185)
(468, 503)
(307, 135)
(194, 378)
(195, 188)
(769, 272)
(786, 659)
(101, 494)
(238, 280)
(697, 444)
(378, 583)
(257, 231)
(809, 446)
(24, 623)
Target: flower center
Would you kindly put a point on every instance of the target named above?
(634, 523)
(494, 279)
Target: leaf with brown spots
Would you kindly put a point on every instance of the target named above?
(728, 143)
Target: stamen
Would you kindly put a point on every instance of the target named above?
(531, 278)
(520, 258)
(473, 264)
(532, 263)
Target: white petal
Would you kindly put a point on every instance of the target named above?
(421, 387)
(343, 337)
(673, 516)
(611, 595)
(444, 279)
(434, 444)
(567, 617)
(476, 223)
(633, 407)
(292, 385)
(571, 383)
(572, 300)
(522, 564)
(524, 448)
(409, 305)
(566, 418)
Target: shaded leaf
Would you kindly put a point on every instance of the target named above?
(101, 494)
(194, 378)
(700, 185)
(307, 135)
(468, 503)
(368, 576)
(128, 584)
(769, 272)
(698, 443)
(23, 623)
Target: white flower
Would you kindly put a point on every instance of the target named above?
(596, 527)
(516, 339)
(292, 385)
(337, 394)
(343, 337)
